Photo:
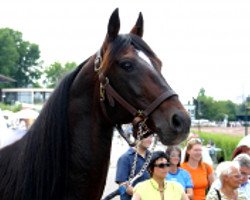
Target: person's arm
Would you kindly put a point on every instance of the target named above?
(210, 174)
(190, 193)
(184, 196)
(211, 178)
(129, 188)
(136, 196)
(122, 173)
(189, 184)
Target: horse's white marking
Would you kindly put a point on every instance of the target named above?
(143, 56)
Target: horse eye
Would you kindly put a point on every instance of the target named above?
(128, 66)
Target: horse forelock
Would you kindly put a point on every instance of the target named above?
(121, 43)
(141, 45)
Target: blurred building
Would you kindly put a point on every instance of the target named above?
(191, 110)
(25, 95)
(4, 79)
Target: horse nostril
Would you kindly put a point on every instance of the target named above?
(177, 123)
(180, 122)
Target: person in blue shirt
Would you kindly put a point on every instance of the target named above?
(176, 173)
(125, 163)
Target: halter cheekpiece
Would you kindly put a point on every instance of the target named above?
(140, 116)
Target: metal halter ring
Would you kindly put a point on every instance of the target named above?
(102, 89)
(98, 61)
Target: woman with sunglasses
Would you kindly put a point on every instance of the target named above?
(201, 172)
(178, 174)
(157, 187)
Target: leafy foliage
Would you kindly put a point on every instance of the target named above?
(208, 108)
(19, 58)
(55, 72)
(13, 108)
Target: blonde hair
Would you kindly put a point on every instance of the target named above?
(190, 144)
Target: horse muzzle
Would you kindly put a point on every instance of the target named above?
(174, 129)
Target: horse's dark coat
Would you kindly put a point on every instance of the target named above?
(66, 152)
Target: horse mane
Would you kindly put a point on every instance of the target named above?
(42, 155)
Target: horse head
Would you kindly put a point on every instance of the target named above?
(132, 87)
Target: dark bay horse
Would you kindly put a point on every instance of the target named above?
(66, 152)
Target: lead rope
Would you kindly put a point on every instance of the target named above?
(145, 165)
(122, 189)
(141, 133)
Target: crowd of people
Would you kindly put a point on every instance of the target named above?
(168, 176)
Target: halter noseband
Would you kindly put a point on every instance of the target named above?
(111, 94)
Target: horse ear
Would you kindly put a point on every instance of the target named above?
(138, 28)
(114, 25)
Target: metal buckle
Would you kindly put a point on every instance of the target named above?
(102, 89)
(98, 61)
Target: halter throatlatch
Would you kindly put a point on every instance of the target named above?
(106, 90)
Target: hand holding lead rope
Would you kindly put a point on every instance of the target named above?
(123, 187)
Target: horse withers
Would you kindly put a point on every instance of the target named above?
(65, 153)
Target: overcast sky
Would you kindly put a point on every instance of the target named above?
(201, 43)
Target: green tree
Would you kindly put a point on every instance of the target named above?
(8, 53)
(213, 110)
(225, 108)
(19, 58)
(55, 72)
(206, 106)
(241, 108)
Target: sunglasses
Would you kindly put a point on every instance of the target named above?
(193, 141)
(162, 165)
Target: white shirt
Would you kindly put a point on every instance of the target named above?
(245, 188)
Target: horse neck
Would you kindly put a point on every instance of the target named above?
(90, 134)
(84, 107)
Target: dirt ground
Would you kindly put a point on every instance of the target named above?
(239, 131)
